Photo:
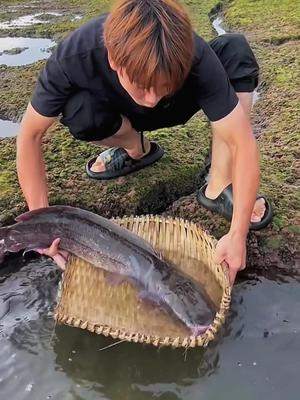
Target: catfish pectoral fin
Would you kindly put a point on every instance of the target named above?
(148, 298)
(113, 279)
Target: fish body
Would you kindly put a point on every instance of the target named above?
(106, 245)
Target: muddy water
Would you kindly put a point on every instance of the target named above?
(257, 355)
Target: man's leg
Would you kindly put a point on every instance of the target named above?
(128, 139)
(89, 119)
(221, 164)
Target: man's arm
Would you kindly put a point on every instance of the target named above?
(235, 130)
(31, 170)
(30, 162)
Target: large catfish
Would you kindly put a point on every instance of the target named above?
(117, 250)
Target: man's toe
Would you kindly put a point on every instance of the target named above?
(255, 218)
(259, 210)
(98, 166)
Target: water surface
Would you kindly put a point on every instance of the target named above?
(8, 128)
(257, 355)
(35, 49)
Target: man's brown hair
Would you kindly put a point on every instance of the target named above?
(152, 40)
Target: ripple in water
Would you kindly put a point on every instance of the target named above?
(25, 295)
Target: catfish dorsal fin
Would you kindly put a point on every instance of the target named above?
(52, 209)
(29, 214)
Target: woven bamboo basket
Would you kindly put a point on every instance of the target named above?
(88, 301)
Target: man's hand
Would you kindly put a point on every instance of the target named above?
(231, 248)
(59, 256)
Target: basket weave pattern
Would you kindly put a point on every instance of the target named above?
(89, 301)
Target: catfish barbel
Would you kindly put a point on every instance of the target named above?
(117, 250)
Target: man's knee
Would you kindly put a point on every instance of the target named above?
(233, 44)
(88, 118)
(238, 60)
(237, 40)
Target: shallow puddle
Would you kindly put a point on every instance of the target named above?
(28, 20)
(8, 128)
(28, 50)
(34, 19)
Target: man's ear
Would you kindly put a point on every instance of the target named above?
(111, 62)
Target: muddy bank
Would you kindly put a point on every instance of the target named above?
(154, 190)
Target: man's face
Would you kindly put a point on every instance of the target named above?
(143, 97)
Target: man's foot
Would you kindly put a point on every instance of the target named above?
(115, 162)
(135, 154)
(259, 206)
(258, 210)
(223, 204)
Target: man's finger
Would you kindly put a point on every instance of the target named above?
(60, 261)
(244, 261)
(55, 244)
(232, 275)
(53, 249)
(219, 257)
(64, 253)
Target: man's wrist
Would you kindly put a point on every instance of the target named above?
(240, 233)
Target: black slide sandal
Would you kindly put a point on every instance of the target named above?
(118, 163)
(223, 205)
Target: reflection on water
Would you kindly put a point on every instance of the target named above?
(34, 49)
(8, 128)
(257, 350)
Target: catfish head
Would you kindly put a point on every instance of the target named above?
(9, 241)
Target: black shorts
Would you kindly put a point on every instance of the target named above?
(89, 118)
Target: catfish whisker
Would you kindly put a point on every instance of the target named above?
(112, 344)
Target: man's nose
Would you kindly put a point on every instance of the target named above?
(151, 97)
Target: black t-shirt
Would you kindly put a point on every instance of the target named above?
(80, 63)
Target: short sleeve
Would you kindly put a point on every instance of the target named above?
(52, 89)
(215, 94)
